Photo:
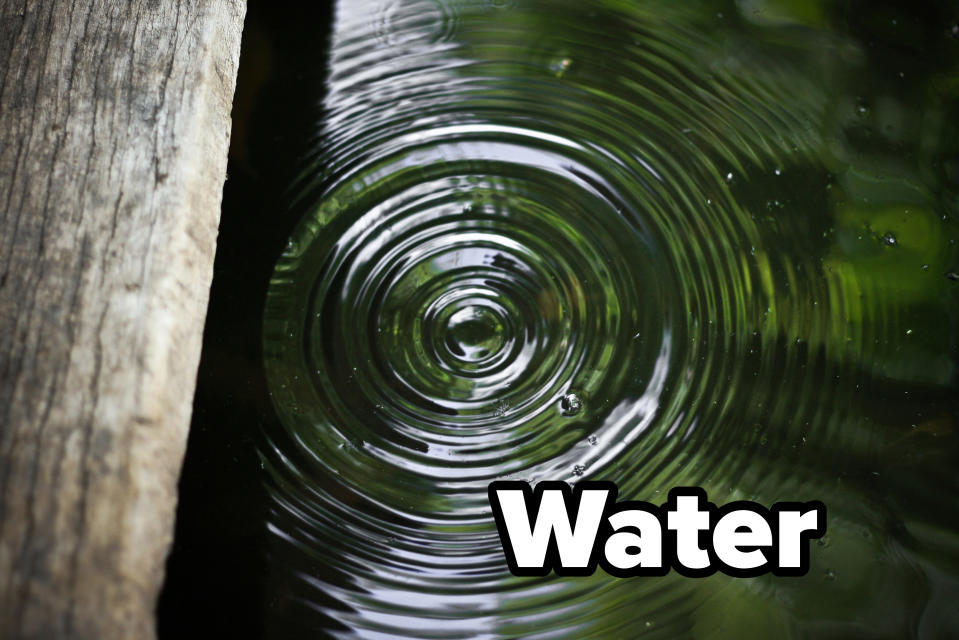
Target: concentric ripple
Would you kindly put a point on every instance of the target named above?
(544, 258)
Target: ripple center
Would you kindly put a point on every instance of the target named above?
(474, 334)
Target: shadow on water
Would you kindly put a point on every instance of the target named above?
(215, 585)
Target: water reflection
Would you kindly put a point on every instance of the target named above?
(673, 216)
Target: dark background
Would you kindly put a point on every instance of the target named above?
(216, 572)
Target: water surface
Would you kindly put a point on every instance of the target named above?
(657, 243)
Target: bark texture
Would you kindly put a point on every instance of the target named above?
(114, 130)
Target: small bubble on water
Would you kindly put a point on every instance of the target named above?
(579, 470)
(729, 177)
(571, 404)
(952, 275)
(830, 575)
(592, 440)
(560, 66)
(889, 240)
(778, 172)
(925, 267)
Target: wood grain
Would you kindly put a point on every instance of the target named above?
(114, 130)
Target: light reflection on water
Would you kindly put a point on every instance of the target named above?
(678, 214)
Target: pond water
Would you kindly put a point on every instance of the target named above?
(657, 243)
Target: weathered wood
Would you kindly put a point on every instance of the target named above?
(114, 129)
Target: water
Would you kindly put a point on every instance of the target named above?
(656, 243)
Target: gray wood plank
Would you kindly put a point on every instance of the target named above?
(114, 130)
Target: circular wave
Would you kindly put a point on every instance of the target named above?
(524, 260)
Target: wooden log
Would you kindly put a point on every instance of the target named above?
(114, 130)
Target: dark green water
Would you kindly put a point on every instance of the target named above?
(656, 243)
